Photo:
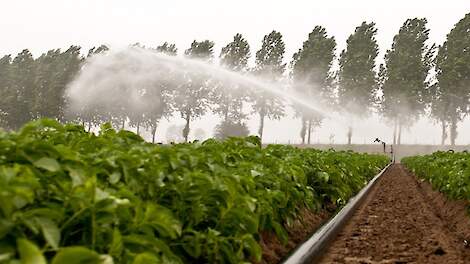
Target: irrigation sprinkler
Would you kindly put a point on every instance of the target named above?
(380, 141)
(392, 156)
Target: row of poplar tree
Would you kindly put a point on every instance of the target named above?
(415, 79)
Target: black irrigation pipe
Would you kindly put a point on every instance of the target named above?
(312, 249)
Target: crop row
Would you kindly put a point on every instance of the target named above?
(448, 172)
(68, 196)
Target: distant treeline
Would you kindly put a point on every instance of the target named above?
(417, 78)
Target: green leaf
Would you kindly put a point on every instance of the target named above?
(146, 258)
(255, 173)
(29, 252)
(193, 244)
(280, 232)
(48, 164)
(76, 255)
(5, 227)
(6, 174)
(77, 175)
(252, 246)
(5, 256)
(116, 245)
(106, 259)
(324, 176)
(162, 219)
(100, 194)
(50, 231)
(114, 177)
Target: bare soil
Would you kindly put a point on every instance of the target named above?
(404, 221)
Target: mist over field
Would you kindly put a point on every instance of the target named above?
(112, 83)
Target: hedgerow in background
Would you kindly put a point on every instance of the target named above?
(69, 196)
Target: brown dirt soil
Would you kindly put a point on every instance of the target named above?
(301, 229)
(403, 221)
(454, 213)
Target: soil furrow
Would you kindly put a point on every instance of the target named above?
(397, 223)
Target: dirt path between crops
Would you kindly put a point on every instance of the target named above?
(400, 222)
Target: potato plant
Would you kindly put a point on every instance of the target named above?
(448, 172)
(68, 196)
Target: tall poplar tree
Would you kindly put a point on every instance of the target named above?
(192, 98)
(453, 75)
(311, 67)
(23, 89)
(159, 96)
(229, 98)
(357, 79)
(6, 94)
(168, 49)
(404, 76)
(270, 66)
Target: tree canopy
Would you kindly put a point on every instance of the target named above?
(357, 79)
(414, 81)
(312, 78)
(452, 94)
(269, 66)
(405, 74)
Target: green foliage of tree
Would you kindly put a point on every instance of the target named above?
(203, 50)
(357, 79)
(159, 97)
(235, 54)
(97, 50)
(269, 66)
(155, 97)
(229, 128)
(23, 89)
(229, 98)
(33, 88)
(452, 94)
(404, 78)
(168, 49)
(192, 98)
(55, 69)
(93, 115)
(6, 92)
(47, 73)
(311, 67)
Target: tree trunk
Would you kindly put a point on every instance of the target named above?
(444, 132)
(123, 123)
(138, 128)
(399, 133)
(186, 127)
(89, 127)
(394, 131)
(309, 131)
(350, 131)
(154, 131)
(303, 130)
(261, 125)
(226, 115)
(453, 130)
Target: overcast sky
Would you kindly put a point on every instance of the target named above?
(46, 24)
(40, 25)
